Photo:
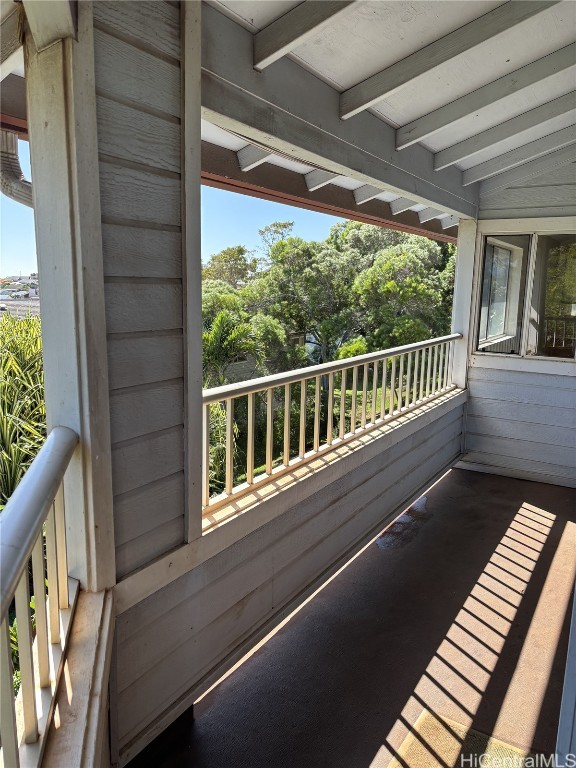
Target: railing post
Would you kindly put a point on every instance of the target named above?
(462, 319)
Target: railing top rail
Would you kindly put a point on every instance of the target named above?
(23, 516)
(237, 389)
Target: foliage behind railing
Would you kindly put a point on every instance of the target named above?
(263, 427)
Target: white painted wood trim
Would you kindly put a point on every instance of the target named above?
(527, 365)
(528, 170)
(168, 568)
(366, 193)
(449, 221)
(62, 123)
(563, 224)
(523, 154)
(10, 41)
(50, 22)
(503, 131)
(428, 214)
(387, 82)
(462, 303)
(191, 261)
(293, 29)
(465, 106)
(401, 204)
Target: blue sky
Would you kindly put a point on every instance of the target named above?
(228, 219)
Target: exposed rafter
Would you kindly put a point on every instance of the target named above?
(292, 29)
(468, 105)
(543, 114)
(528, 170)
(383, 84)
(428, 214)
(401, 204)
(318, 179)
(10, 40)
(521, 155)
(252, 156)
(449, 221)
(366, 193)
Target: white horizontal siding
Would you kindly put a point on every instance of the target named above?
(523, 423)
(139, 143)
(176, 637)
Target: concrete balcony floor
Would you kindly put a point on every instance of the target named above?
(456, 617)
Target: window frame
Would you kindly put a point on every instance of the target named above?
(495, 229)
(513, 294)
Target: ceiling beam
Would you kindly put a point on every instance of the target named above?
(50, 21)
(531, 151)
(293, 29)
(317, 179)
(489, 94)
(536, 167)
(252, 156)
(384, 84)
(401, 204)
(543, 114)
(295, 114)
(10, 40)
(366, 193)
(428, 214)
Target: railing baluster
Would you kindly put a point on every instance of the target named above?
(383, 394)
(330, 409)
(22, 600)
(354, 399)
(416, 372)
(229, 480)
(206, 455)
(391, 408)
(250, 439)
(435, 373)
(374, 392)
(342, 425)
(269, 428)
(286, 453)
(8, 730)
(62, 558)
(401, 383)
(408, 380)
(446, 363)
(428, 371)
(422, 373)
(302, 436)
(52, 571)
(316, 444)
(364, 395)
(40, 611)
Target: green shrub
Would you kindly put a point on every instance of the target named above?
(22, 407)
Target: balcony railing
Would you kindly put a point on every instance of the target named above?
(560, 332)
(33, 552)
(259, 429)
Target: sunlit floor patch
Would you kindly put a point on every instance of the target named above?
(437, 742)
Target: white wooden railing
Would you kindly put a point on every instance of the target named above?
(295, 416)
(560, 332)
(33, 549)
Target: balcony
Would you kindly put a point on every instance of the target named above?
(445, 637)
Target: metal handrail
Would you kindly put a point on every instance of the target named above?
(217, 394)
(23, 516)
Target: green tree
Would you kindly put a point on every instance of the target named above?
(218, 295)
(235, 265)
(226, 341)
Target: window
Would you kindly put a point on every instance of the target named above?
(552, 326)
(528, 296)
(501, 304)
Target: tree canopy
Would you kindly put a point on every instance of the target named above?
(362, 289)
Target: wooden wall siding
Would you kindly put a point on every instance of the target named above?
(522, 422)
(551, 194)
(176, 637)
(139, 145)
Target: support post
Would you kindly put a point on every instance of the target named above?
(463, 295)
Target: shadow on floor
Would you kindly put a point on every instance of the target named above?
(459, 610)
